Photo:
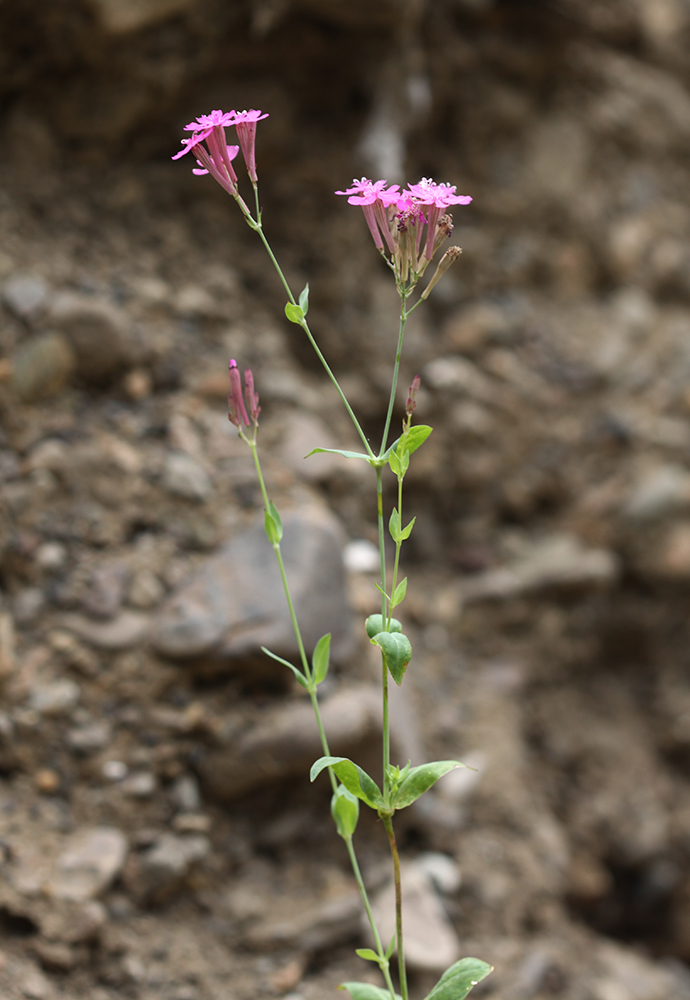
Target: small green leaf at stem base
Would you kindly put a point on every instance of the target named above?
(338, 451)
(394, 525)
(319, 660)
(377, 623)
(457, 981)
(304, 300)
(345, 811)
(406, 532)
(355, 779)
(273, 526)
(399, 593)
(415, 437)
(420, 779)
(301, 679)
(367, 954)
(397, 653)
(294, 313)
(366, 991)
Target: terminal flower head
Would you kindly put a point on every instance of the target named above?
(216, 156)
(216, 118)
(373, 197)
(245, 123)
(436, 198)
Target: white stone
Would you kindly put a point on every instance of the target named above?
(90, 864)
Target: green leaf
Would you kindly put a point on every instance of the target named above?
(367, 954)
(366, 991)
(273, 526)
(355, 779)
(294, 313)
(382, 591)
(394, 525)
(304, 300)
(397, 652)
(415, 438)
(457, 981)
(377, 623)
(420, 779)
(399, 593)
(345, 811)
(395, 464)
(319, 660)
(391, 947)
(406, 532)
(301, 679)
(338, 451)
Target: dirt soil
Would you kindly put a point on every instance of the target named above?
(550, 564)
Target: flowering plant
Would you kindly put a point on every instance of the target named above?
(396, 220)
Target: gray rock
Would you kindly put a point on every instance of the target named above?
(42, 367)
(236, 604)
(86, 740)
(430, 942)
(97, 331)
(185, 793)
(91, 862)
(287, 741)
(184, 477)
(320, 927)
(160, 870)
(122, 632)
(146, 589)
(55, 697)
(25, 295)
(304, 432)
(662, 491)
(139, 786)
(106, 590)
(121, 17)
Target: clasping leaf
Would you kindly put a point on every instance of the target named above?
(355, 779)
(397, 652)
(420, 779)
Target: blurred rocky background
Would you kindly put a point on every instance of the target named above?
(158, 838)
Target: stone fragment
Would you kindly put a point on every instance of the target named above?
(90, 863)
(42, 367)
(184, 477)
(122, 632)
(85, 740)
(287, 741)
(73, 922)
(141, 785)
(55, 697)
(662, 491)
(430, 942)
(35, 986)
(146, 589)
(106, 590)
(159, 871)
(457, 375)
(558, 562)
(185, 793)
(235, 604)
(25, 295)
(302, 433)
(97, 331)
(321, 927)
(361, 556)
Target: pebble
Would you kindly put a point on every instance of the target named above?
(89, 864)
(320, 927)
(25, 295)
(47, 781)
(54, 697)
(185, 793)
(146, 590)
(361, 556)
(430, 942)
(114, 770)
(98, 333)
(235, 603)
(127, 629)
(51, 556)
(42, 367)
(86, 740)
(28, 604)
(35, 985)
(106, 590)
(7, 645)
(184, 477)
(157, 872)
(443, 870)
(660, 492)
(141, 785)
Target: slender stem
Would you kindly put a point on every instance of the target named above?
(388, 824)
(384, 616)
(398, 546)
(385, 969)
(305, 327)
(396, 369)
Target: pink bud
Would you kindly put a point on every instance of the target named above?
(412, 396)
(251, 396)
(237, 413)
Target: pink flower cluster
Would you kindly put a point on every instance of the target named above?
(217, 158)
(237, 411)
(398, 217)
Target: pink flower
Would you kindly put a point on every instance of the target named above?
(237, 413)
(216, 118)
(217, 158)
(245, 123)
(372, 197)
(437, 197)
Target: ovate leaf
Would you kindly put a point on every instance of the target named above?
(319, 660)
(304, 300)
(415, 437)
(368, 954)
(273, 526)
(406, 532)
(397, 652)
(377, 623)
(420, 779)
(399, 593)
(394, 525)
(457, 981)
(365, 991)
(345, 811)
(294, 313)
(355, 779)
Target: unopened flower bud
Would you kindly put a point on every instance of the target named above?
(449, 257)
(251, 396)
(444, 228)
(237, 413)
(412, 396)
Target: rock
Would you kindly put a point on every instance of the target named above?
(86, 740)
(8, 660)
(443, 870)
(42, 367)
(55, 697)
(28, 604)
(287, 742)
(122, 632)
(185, 794)
(430, 941)
(25, 295)
(361, 556)
(89, 865)
(622, 974)
(321, 927)
(35, 985)
(146, 589)
(304, 432)
(73, 922)
(106, 590)
(139, 786)
(235, 604)
(457, 375)
(97, 331)
(558, 562)
(660, 492)
(160, 870)
(472, 327)
(184, 477)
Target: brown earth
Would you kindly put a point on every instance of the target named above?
(550, 563)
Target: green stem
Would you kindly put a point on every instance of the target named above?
(384, 616)
(388, 824)
(385, 968)
(398, 546)
(396, 369)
